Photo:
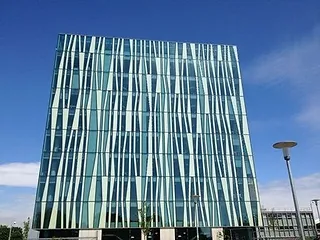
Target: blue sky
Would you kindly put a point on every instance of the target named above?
(278, 43)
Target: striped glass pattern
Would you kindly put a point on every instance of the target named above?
(135, 123)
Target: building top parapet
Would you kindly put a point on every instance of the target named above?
(284, 210)
(146, 39)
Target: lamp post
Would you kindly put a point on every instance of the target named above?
(315, 201)
(314, 220)
(195, 198)
(285, 146)
(10, 230)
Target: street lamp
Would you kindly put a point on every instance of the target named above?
(195, 198)
(314, 219)
(10, 230)
(315, 201)
(285, 146)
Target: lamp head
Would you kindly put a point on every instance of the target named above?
(315, 201)
(285, 146)
(195, 197)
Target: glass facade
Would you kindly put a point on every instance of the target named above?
(134, 122)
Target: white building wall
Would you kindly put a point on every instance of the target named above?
(90, 234)
(217, 233)
(167, 234)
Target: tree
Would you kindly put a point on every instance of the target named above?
(255, 219)
(145, 219)
(246, 222)
(220, 235)
(16, 233)
(4, 232)
(273, 220)
(26, 228)
(223, 235)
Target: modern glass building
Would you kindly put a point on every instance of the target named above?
(136, 124)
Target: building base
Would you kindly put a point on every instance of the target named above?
(247, 233)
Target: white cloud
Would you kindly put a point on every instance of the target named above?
(277, 194)
(310, 114)
(15, 204)
(296, 67)
(18, 209)
(296, 63)
(19, 174)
